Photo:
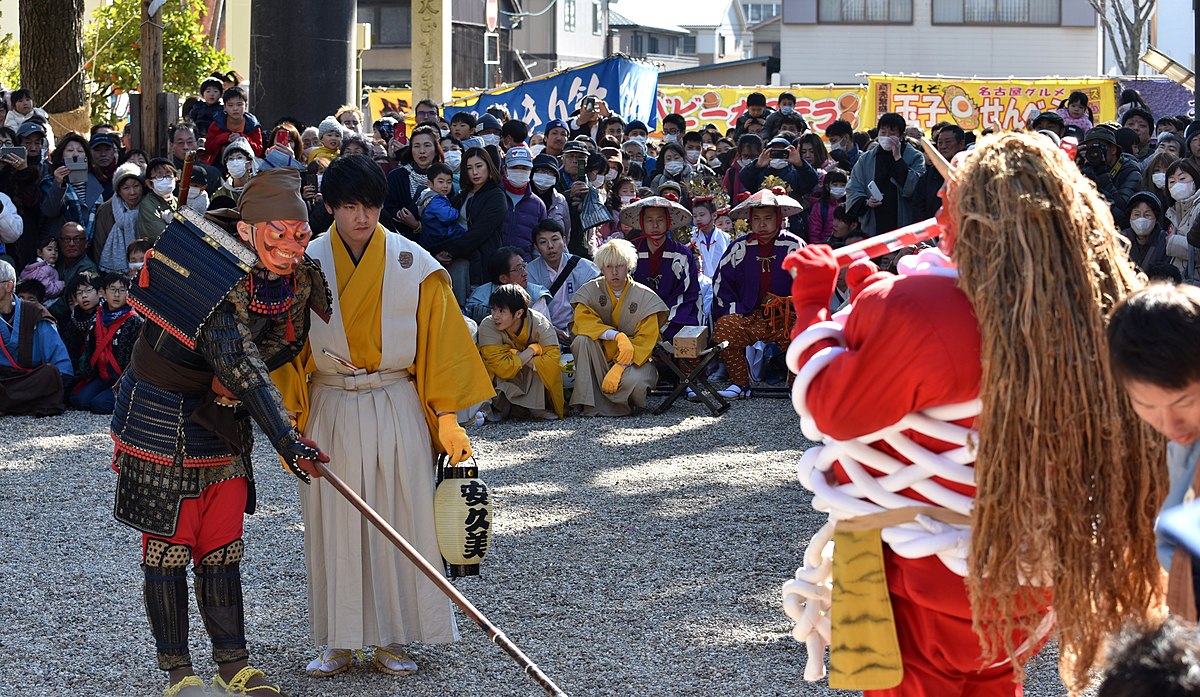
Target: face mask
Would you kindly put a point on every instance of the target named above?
(837, 191)
(194, 194)
(693, 156)
(163, 185)
(670, 138)
(491, 139)
(745, 162)
(777, 163)
(787, 110)
(445, 132)
(543, 181)
(1142, 226)
(887, 142)
(236, 168)
(638, 139)
(518, 178)
(835, 145)
(1182, 190)
(453, 159)
(625, 200)
(598, 181)
(136, 266)
(1159, 179)
(673, 167)
(611, 176)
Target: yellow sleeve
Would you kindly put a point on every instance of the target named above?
(549, 369)
(292, 381)
(449, 373)
(500, 361)
(588, 323)
(645, 336)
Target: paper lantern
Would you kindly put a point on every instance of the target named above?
(463, 519)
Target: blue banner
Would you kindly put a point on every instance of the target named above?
(629, 87)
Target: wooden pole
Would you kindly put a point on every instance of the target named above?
(152, 80)
(498, 637)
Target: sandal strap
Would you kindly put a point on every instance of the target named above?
(189, 681)
(384, 650)
(237, 685)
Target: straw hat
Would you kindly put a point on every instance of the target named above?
(631, 215)
(767, 198)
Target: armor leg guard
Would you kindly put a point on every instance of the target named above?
(165, 592)
(219, 595)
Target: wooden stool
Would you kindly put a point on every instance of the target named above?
(696, 378)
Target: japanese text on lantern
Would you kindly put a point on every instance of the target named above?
(477, 522)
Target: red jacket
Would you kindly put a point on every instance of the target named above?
(219, 134)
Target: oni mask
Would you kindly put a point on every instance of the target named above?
(280, 244)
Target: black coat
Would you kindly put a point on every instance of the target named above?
(486, 212)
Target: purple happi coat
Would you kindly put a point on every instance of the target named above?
(735, 287)
(677, 283)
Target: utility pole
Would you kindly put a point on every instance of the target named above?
(152, 77)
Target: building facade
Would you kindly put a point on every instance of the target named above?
(833, 41)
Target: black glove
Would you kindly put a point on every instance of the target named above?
(293, 450)
(284, 438)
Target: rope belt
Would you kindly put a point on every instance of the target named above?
(361, 380)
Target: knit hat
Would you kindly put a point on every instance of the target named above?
(125, 171)
(517, 156)
(557, 123)
(1150, 199)
(487, 122)
(547, 162)
(328, 125)
(240, 145)
(1099, 133)
(273, 195)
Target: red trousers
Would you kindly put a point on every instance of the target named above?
(941, 655)
(211, 520)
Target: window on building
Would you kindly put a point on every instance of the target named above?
(689, 44)
(671, 46)
(997, 12)
(652, 45)
(597, 18)
(391, 25)
(721, 46)
(757, 12)
(638, 46)
(568, 15)
(865, 11)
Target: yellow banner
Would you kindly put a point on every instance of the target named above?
(721, 106)
(978, 104)
(400, 101)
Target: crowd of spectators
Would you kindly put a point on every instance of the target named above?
(500, 203)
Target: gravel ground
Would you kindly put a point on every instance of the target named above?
(629, 556)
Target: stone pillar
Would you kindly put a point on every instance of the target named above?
(431, 50)
(301, 58)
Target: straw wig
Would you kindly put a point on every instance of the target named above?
(1068, 478)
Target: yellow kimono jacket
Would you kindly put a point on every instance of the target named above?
(497, 349)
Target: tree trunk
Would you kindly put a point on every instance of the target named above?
(52, 53)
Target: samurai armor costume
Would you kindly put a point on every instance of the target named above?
(215, 326)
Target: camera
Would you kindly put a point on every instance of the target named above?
(589, 102)
(1095, 153)
(779, 154)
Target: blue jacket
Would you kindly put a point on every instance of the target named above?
(203, 114)
(48, 347)
(523, 217)
(439, 222)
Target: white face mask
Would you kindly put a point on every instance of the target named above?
(625, 200)
(638, 139)
(598, 181)
(518, 177)
(445, 132)
(453, 159)
(887, 142)
(544, 180)
(777, 163)
(136, 266)
(670, 138)
(745, 162)
(1142, 226)
(837, 191)
(673, 167)
(693, 156)
(1182, 190)
(1159, 179)
(194, 194)
(236, 168)
(835, 145)
(611, 176)
(163, 185)
(491, 139)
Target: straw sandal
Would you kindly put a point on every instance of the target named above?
(330, 662)
(389, 662)
(184, 684)
(238, 686)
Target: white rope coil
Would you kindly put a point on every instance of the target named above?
(807, 597)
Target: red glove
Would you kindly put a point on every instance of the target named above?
(814, 275)
(861, 274)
